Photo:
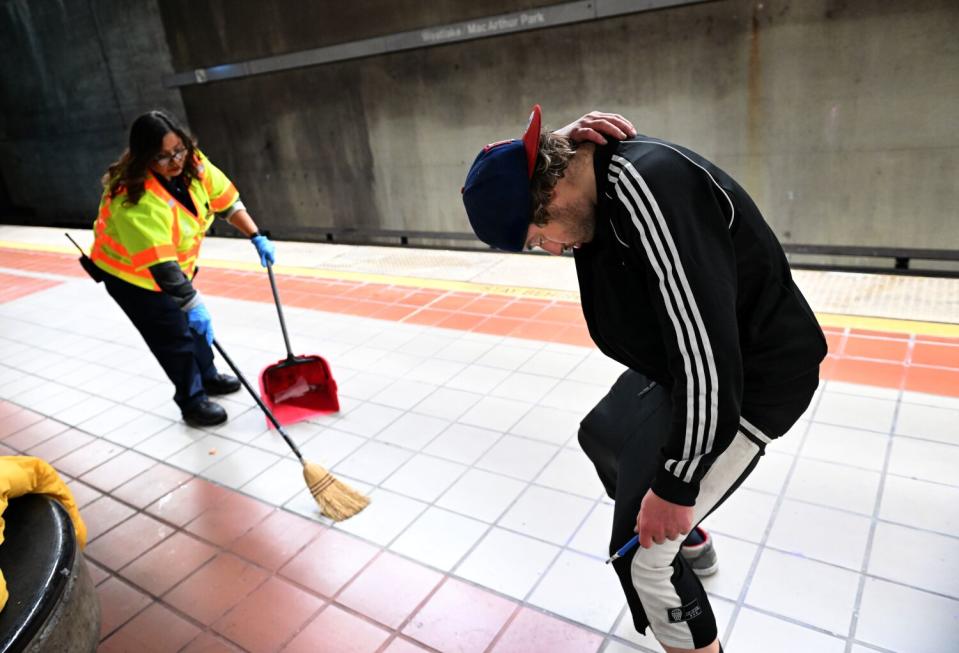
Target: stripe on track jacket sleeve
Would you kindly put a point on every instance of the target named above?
(679, 221)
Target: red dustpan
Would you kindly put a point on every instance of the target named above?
(297, 387)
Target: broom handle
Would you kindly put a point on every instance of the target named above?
(259, 402)
(279, 311)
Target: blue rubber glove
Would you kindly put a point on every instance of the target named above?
(199, 319)
(265, 248)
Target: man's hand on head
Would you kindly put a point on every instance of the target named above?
(659, 520)
(596, 125)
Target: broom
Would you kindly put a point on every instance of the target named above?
(336, 499)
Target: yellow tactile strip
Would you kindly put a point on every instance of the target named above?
(827, 319)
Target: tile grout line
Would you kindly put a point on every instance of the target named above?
(611, 638)
(505, 627)
(874, 522)
(402, 494)
(819, 629)
(198, 475)
(470, 466)
(183, 528)
(946, 368)
(774, 513)
(432, 504)
(525, 601)
(449, 574)
(530, 483)
(220, 550)
(166, 463)
(324, 427)
(492, 525)
(484, 588)
(154, 599)
(573, 302)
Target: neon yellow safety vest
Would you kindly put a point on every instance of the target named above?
(129, 239)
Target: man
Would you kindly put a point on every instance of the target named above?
(683, 282)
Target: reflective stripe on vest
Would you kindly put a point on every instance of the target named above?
(186, 259)
(225, 200)
(113, 261)
(100, 227)
(112, 265)
(147, 256)
(205, 179)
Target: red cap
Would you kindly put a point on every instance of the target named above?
(531, 139)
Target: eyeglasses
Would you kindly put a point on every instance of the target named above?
(542, 240)
(166, 159)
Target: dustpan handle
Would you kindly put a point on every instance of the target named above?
(279, 311)
(259, 402)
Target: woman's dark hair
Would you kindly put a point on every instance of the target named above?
(128, 173)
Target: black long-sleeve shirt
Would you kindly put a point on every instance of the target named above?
(171, 279)
(686, 283)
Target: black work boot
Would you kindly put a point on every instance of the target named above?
(205, 413)
(221, 384)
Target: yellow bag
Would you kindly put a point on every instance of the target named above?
(21, 475)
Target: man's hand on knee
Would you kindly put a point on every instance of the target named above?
(659, 520)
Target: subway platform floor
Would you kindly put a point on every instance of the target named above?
(462, 379)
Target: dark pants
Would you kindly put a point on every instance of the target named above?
(623, 437)
(182, 353)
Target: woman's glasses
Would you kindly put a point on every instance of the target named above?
(165, 159)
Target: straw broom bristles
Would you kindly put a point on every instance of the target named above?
(336, 499)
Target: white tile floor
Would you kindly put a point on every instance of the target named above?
(844, 540)
(484, 564)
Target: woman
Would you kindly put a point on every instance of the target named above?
(159, 199)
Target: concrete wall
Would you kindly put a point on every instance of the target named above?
(838, 115)
(73, 75)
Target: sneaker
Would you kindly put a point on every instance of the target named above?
(221, 384)
(205, 413)
(701, 557)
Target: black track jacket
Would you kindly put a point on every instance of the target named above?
(685, 283)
